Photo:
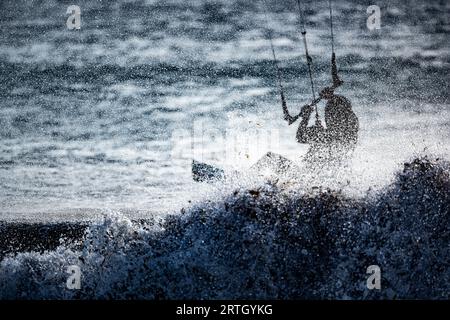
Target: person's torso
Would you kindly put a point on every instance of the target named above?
(332, 145)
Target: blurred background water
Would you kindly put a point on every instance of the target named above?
(102, 117)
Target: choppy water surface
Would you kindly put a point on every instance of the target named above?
(90, 119)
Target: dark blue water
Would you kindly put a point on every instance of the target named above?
(265, 242)
(104, 117)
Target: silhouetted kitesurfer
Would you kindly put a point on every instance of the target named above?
(330, 145)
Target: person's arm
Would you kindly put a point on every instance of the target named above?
(305, 134)
(334, 74)
(290, 119)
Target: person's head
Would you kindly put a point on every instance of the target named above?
(327, 93)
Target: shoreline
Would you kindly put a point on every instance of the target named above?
(16, 237)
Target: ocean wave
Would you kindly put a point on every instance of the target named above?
(264, 242)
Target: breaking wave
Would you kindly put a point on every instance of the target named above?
(265, 242)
